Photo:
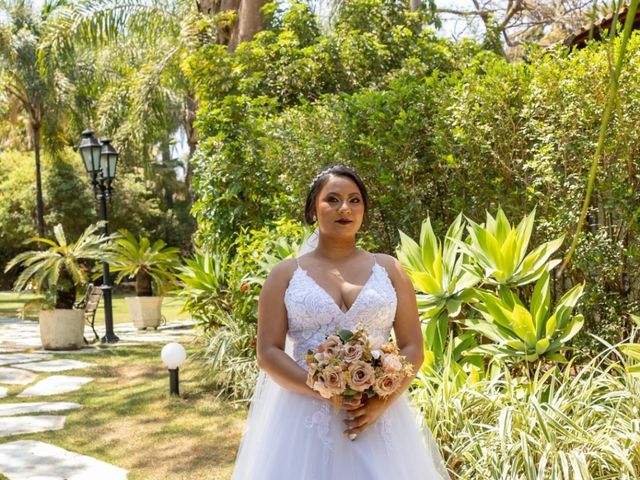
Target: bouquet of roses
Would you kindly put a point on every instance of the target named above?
(348, 363)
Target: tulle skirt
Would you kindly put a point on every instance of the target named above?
(294, 437)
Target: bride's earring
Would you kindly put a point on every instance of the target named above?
(315, 219)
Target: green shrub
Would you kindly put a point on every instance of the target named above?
(562, 423)
(220, 287)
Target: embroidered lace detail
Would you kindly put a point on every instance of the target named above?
(385, 429)
(313, 314)
(321, 420)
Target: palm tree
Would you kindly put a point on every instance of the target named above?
(20, 31)
(158, 34)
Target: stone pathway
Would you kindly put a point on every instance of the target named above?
(21, 362)
(59, 365)
(31, 460)
(55, 385)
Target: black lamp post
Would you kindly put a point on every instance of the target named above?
(100, 159)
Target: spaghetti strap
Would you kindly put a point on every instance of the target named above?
(375, 261)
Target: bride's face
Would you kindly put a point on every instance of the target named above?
(339, 207)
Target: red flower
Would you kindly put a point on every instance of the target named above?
(244, 287)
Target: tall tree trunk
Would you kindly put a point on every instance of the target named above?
(414, 5)
(249, 22)
(39, 203)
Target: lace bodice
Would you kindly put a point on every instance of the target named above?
(312, 313)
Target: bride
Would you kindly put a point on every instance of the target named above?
(292, 433)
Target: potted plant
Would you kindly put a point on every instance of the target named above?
(152, 266)
(58, 273)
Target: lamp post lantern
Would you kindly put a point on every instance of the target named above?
(100, 159)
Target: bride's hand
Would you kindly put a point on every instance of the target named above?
(365, 415)
(353, 403)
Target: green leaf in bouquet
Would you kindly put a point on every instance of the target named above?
(345, 335)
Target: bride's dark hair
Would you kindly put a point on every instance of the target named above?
(318, 182)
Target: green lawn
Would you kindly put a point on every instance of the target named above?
(129, 420)
(11, 303)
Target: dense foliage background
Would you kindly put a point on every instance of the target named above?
(434, 127)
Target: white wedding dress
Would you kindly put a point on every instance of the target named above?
(289, 436)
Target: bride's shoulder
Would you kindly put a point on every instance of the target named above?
(281, 274)
(387, 261)
(391, 265)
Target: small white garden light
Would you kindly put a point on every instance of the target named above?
(173, 354)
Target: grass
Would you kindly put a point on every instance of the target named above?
(129, 419)
(11, 303)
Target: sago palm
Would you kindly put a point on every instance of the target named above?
(149, 264)
(61, 269)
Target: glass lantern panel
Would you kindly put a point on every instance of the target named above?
(112, 165)
(95, 151)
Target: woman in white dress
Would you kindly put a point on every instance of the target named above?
(292, 433)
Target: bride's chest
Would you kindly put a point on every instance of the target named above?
(310, 307)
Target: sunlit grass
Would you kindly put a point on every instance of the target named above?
(129, 420)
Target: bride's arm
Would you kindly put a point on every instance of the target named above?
(272, 331)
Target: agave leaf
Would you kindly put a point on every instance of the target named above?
(573, 327)
(540, 302)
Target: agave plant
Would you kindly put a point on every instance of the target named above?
(204, 285)
(59, 271)
(526, 333)
(152, 265)
(499, 251)
(437, 271)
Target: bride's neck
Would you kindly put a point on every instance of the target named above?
(336, 249)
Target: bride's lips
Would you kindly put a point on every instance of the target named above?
(344, 221)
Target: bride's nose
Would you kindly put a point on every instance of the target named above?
(344, 207)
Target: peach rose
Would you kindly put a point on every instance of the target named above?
(362, 376)
(331, 346)
(334, 379)
(386, 384)
(320, 387)
(352, 352)
(391, 363)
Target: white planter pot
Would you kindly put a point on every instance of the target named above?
(62, 329)
(145, 311)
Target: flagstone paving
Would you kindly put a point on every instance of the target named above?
(55, 385)
(30, 424)
(59, 365)
(9, 409)
(20, 355)
(16, 376)
(32, 460)
(12, 358)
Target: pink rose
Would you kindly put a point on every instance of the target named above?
(362, 376)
